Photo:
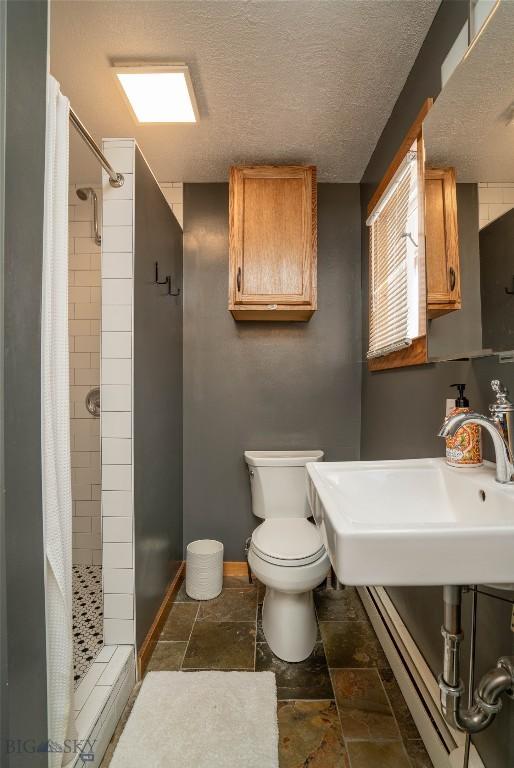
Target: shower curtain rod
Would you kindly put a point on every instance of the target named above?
(115, 179)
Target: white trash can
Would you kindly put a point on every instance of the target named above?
(204, 569)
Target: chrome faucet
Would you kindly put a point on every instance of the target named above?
(502, 412)
(502, 449)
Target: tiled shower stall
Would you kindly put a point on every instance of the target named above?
(101, 293)
(84, 318)
(84, 343)
(87, 268)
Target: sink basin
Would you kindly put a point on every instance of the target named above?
(413, 522)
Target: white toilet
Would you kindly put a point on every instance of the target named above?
(286, 552)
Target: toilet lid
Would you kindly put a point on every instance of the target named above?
(291, 540)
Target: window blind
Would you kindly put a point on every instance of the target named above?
(394, 263)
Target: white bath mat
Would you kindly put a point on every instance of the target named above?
(202, 720)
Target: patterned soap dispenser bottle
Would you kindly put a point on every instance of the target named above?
(464, 449)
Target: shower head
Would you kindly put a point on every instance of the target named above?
(84, 192)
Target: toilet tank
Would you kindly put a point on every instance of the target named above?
(278, 482)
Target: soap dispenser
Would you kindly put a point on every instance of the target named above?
(464, 449)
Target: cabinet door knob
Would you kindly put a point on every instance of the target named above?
(239, 279)
(452, 278)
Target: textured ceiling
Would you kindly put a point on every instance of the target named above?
(276, 81)
(471, 125)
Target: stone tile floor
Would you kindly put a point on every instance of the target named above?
(341, 708)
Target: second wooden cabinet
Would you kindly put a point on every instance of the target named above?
(441, 242)
(272, 242)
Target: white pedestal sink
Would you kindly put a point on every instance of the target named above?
(413, 522)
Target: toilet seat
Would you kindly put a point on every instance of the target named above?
(287, 542)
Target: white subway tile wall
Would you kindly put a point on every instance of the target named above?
(101, 698)
(84, 338)
(117, 291)
(173, 191)
(494, 199)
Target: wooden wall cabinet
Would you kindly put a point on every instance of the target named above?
(272, 242)
(441, 242)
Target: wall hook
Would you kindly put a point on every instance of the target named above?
(511, 293)
(156, 280)
(170, 292)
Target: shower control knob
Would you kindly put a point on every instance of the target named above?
(93, 401)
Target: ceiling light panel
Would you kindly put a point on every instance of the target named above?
(161, 94)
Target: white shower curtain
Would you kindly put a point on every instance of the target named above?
(55, 428)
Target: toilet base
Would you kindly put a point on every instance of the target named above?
(289, 623)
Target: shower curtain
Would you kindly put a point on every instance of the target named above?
(55, 430)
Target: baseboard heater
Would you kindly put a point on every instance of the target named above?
(417, 683)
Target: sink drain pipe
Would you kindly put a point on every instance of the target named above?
(495, 682)
(246, 550)
(471, 676)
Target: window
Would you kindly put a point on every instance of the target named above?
(397, 298)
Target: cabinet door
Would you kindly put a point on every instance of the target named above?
(273, 237)
(441, 243)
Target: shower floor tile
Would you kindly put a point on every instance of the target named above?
(87, 618)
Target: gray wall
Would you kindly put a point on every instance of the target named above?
(496, 274)
(263, 385)
(402, 409)
(457, 333)
(157, 398)
(3, 595)
(25, 660)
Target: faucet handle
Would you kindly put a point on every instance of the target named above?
(502, 403)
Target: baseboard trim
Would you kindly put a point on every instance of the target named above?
(235, 568)
(417, 683)
(230, 568)
(149, 643)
